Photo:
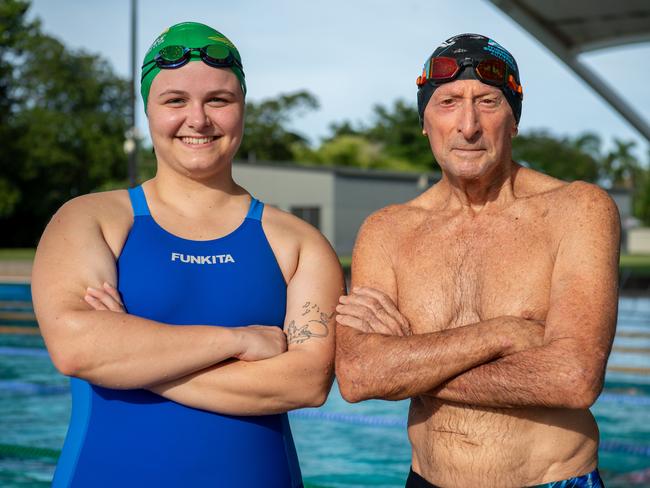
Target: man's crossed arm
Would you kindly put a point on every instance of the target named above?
(498, 362)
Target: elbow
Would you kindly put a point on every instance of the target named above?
(68, 361)
(315, 391)
(317, 398)
(358, 381)
(585, 386)
(350, 383)
(64, 363)
(349, 392)
(589, 393)
(66, 355)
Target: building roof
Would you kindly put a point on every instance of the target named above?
(571, 27)
(349, 171)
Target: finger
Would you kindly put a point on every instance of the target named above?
(387, 304)
(113, 306)
(353, 322)
(366, 301)
(112, 291)
(369, 320)
(106, 299)
(385, 301)
(406, 328)
(359, 311)
(93, 302)
(344, 299)
(393, 325)
(377, 321)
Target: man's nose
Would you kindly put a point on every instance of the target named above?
(468, 121)
(197, 118)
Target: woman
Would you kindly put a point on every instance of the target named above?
(156, 404)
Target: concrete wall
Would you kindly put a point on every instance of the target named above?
(638, 240)
(287, 186)
(623, 200)
(357, 196)
(345, 196)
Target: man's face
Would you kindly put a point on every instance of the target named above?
(470, 127)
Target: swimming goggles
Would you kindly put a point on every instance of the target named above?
(172, 57)
(442, 69)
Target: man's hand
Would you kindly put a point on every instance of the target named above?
(257, 342)
(371, 311)
(523, 334)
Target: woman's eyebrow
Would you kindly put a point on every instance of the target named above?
(172, 92)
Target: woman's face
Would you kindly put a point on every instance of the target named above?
(196, 118)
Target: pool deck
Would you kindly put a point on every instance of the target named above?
(16, 271)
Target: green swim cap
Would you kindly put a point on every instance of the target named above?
(189, 35)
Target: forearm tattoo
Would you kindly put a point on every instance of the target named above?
(313, 323)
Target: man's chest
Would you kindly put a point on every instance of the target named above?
(453, 275)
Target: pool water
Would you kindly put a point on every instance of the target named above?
(339, 445)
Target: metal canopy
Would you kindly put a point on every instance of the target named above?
(571, 27)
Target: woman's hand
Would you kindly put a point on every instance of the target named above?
(256, 341)
(108, 298)
(260, 342)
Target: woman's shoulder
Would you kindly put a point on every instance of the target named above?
(110, 211)
(87, 223)
(294, 240)
(294, 228)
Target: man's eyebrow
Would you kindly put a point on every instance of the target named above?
(460, 94)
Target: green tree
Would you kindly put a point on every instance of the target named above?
(564, 158)
(620, 167)
(642, 193)
(351, 150)
(68, 118)
(398, 129)
(13, 30)
(267, 135)
(396, 136)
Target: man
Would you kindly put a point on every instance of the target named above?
(489, 300)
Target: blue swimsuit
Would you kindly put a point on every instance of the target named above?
(135, 438)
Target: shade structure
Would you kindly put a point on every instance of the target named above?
(569, 28)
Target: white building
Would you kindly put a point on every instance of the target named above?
(336, 200)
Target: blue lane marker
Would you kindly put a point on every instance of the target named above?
(626, 447)
(385, 421)
(624, 399)
(21, 387)
(23, 351)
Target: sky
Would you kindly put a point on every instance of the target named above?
(355, 54)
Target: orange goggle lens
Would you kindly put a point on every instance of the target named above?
(491, 71)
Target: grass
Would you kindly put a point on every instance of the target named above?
(636, 264)
(17, 254)
(346, 263)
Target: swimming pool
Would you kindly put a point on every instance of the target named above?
(339, 445)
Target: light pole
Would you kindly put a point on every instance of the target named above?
(131, 143)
